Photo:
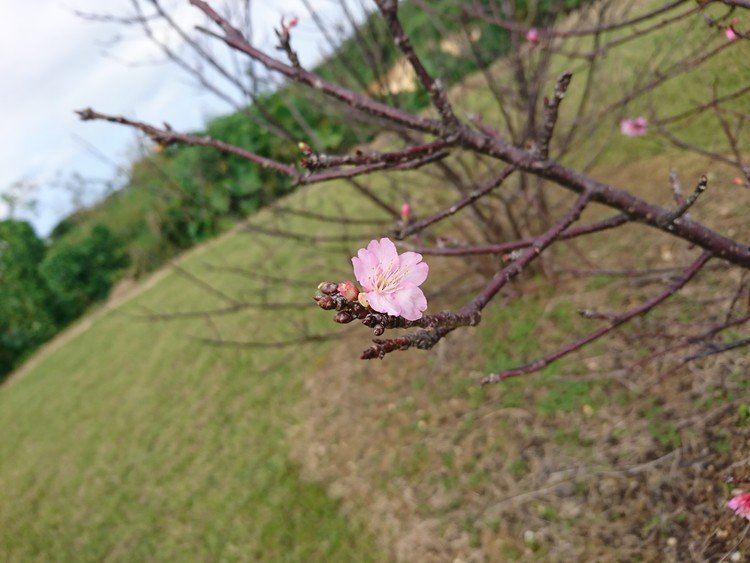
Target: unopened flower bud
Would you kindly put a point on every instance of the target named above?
(362, 298)
(304, 147)
(348, 290)
(405, 212)
(378, 330)
(292, 23)
(326, 302)
(343, 317)
(329, 288)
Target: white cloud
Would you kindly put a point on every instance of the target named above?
(53, 64)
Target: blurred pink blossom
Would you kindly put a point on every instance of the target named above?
(730, 34)
(532, 35)
(390, 282)
(741, 505)
(636, 127)
(405, 212)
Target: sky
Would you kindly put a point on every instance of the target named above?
(54, 62)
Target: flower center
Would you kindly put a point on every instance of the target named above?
(389, 278)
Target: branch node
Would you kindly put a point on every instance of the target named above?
(667, 221)
(551, 108)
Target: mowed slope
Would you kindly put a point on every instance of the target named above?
(133, 441)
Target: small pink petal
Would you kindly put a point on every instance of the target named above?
(730, 34)
(384, 251)
(364, 265)
(411, 302)
(532, 35)
(383, 303)
(360, 272)
(414, 270)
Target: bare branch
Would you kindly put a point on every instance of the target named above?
(618, 320)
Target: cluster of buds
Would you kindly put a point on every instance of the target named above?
(310, 160)
(344, 297)
(350, 304)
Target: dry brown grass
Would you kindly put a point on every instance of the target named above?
(590, 461)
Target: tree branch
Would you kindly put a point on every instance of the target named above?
(616, 321)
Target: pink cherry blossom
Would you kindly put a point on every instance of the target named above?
(390, 282)
(532, 35)
(636, 127)
(730, 34)
(741, 505)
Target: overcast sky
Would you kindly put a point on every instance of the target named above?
(54, 62)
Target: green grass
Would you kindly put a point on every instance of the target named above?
(133, 442)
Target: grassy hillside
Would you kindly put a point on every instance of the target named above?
(135, 442)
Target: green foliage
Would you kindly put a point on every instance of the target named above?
(25, 321)
(80, 274)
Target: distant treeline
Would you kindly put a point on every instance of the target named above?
(44, 288)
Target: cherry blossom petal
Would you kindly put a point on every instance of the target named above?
(365, 267)
(384, 251)
(383, 303)
(414, 270)
(411, 302)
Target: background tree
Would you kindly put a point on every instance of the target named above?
(25, 300)
(82, 273)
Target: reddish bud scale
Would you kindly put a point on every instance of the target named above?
(405, 212)
(348, 290)
(343, 317)
(329, 288)
(326, 302)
